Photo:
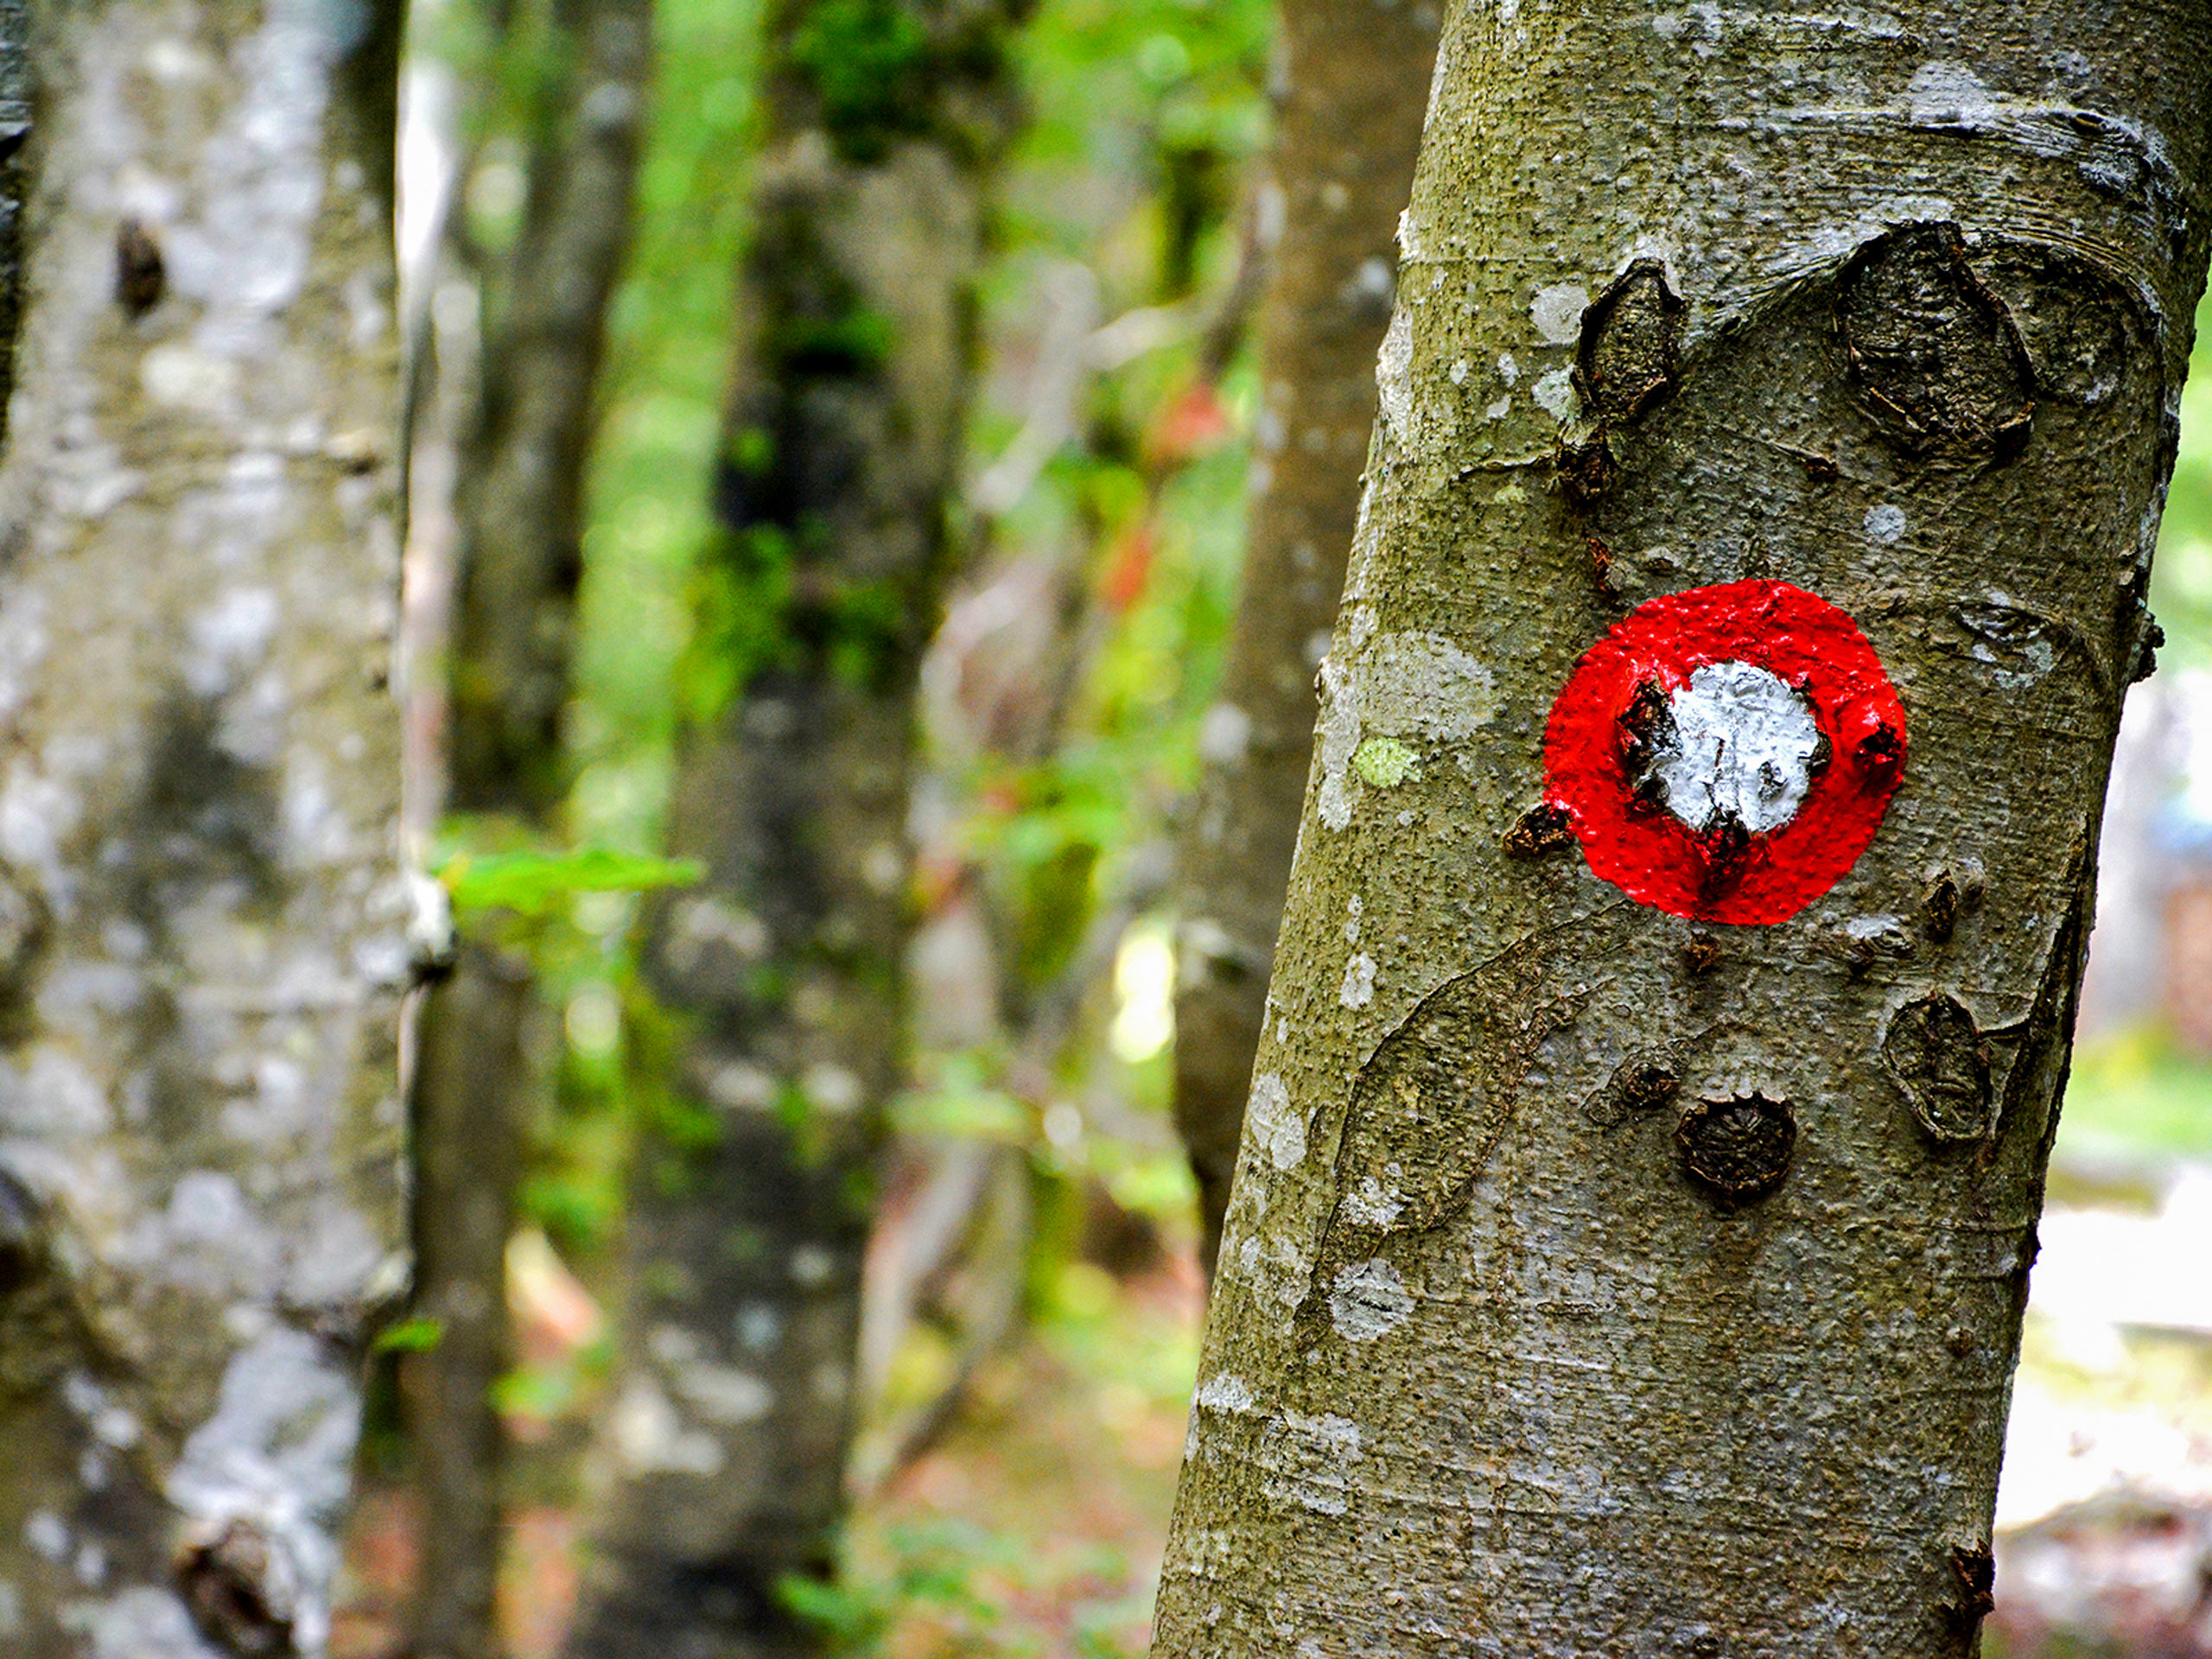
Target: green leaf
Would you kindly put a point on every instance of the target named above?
(415, 1336)
(535, 884)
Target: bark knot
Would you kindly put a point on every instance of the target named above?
(236, 1589)
(1739, 1149)
(1541, 829)
(1937, 1055)
(141, 278)
(1629, 355)
(1936, 356)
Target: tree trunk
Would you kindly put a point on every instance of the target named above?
(520, 511)
(524, 464)
(1636, 1205)
(472, 1080)
(1355, 84)
(205, 928)
(779, 975)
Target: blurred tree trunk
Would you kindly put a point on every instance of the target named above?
(1355, 85)
(779, 978)
(1605, 1277)
(520, 511)
(204, 927)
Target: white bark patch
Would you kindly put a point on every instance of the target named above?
(142, 1623)
(1557, 312)
(1369, 1300)
(47, 1534)
(1884, 523)
(1838, 239)
(831, 1089)
(1950, 95)
(208, 1238)
(278, 1455)
(1555, 394)
(1227, 1392)
(1369, 1206)
(722, 1394)
(650, 1439)
(245, 257)
(1275, 1123)
(226, 638)
(1275, 1268)
(1307, 1460)
(759, 1325)
(1358, 988)
(1394, 373)
(1401, 685)
(1744, 743)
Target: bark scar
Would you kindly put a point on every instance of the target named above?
(1936, 358)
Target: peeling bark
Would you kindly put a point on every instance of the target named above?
(204, 927)
(1355, 79)
(1601, 1276)
(778, 975)
(520, 511)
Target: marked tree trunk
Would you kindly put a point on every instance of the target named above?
(779, 975)
(1355, 78)
(517, 569)
(204, 927)
(1635, 1266)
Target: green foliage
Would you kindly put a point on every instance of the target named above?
(854, 341)
(538, 884)
(865, 60)
(934, 1569)
(2137, 1090)
(413, 1336)
(960, 1584)
(651, 481)
(742, 608)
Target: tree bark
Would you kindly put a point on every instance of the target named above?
(517, 569)
(778, 976)
(1603, 1277)
(524, 464)
(205, 928)
(1354, 87)
(473, 1082)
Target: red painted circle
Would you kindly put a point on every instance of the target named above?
(1650, 855)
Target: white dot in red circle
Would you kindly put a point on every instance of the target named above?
(1726, 753)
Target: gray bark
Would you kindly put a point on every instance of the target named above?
(520, 512)
(1596, 1280)
(1355, 85)
(205, 928)
(523, 466)
(779, 975)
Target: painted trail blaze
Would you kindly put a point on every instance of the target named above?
(1726, 753)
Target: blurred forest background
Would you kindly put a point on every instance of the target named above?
(1034, 1299)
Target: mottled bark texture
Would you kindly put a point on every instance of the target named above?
(1354, 84)
(1597, 1281)
(520, 511)
(780, 972)
(202, 922)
